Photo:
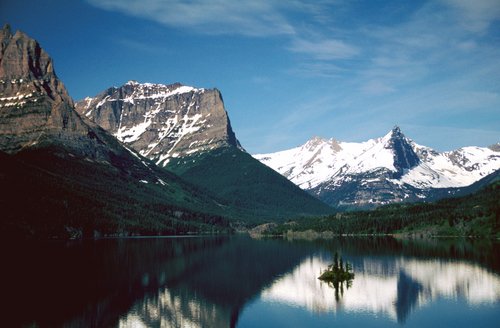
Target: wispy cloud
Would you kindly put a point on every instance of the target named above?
(438, 58)
(375, 87)
(317, 69)
(324, 49)
(250, 18)
(436, 44)
(477, 15)
(256, 18)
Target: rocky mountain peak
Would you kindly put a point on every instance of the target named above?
(405, 157)
(495, 147)
(162, 121)
(396, 131)
(25, 68)
(35, 108)
(314, 142)
(5, 34)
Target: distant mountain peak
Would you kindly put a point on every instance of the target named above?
(495, 147)
(405, 157)
(392, 168)
(396, 130)
(394, 133)
(314, 142)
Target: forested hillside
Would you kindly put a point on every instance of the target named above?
(477, 214)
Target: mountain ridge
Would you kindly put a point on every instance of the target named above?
(383, 170)
(63, 176)
(187, 131)
(162, 121)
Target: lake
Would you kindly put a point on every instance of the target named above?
(236, 281)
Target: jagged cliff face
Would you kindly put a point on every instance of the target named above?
(37, 112)
(34, 104)
(162, 121)
(405, 157)
(380, 171)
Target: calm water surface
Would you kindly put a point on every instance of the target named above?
(241, 282)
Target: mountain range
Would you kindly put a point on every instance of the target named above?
(64, 176)
(380, 171)
(187, 131)
(146, 158)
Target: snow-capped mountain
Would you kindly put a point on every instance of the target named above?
(162, 121)
(384, 170)
(186, 130)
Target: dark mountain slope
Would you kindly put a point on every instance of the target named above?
(238, 178)
(49, 196)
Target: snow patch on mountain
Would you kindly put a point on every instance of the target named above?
(384, 164)
(162, 121)
(458, 168)
(319, 160)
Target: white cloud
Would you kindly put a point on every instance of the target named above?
(375, 87)
(325, 49)
(256, 18)
(317, 69)
(251, 18)
(475, 15)
(431, 47)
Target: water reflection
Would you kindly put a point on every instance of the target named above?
(213, 290)
(170, 308)
(212, 282)
(392, 289)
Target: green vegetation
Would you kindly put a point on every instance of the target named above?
(337, 272)
(259, 193)
(47, 195)
(50, 193)
(477, 214)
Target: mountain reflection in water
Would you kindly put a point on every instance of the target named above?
(218, 281)
(409, 283)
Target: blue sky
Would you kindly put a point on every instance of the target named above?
(291, 70)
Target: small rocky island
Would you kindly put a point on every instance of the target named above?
(337, 272)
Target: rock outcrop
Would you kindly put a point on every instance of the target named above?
(162, 121)
(35, 108)
(405, 157)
